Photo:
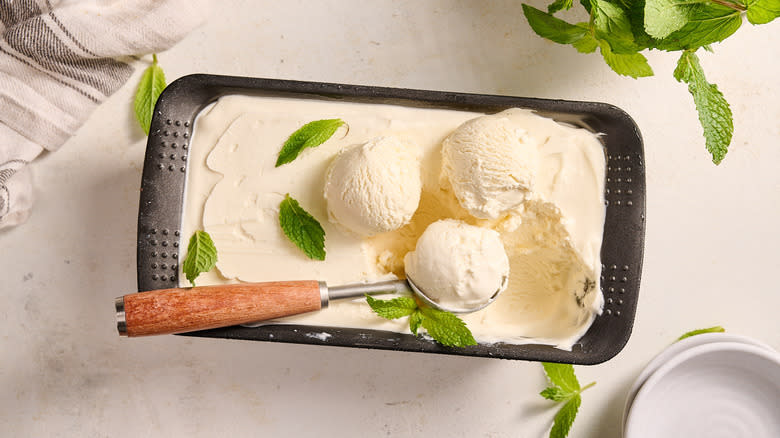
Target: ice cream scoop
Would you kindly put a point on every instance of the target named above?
(180, 310)
(374, 187)
(460, 267)
(490, 163)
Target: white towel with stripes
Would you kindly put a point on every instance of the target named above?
(59, 59)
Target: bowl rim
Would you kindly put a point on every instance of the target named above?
(691, 354)
(675, 349)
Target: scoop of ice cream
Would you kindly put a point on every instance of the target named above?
(489, 162)
(457, 265)
(374, 187)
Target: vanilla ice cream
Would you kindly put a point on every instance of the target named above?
(457, 265)
(489, 162)
(549, 212)
(374, 187)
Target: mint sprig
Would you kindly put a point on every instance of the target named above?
(301, 228)
(714, 112)
(444, 327)
(201, 256)
(149, 89)
(393, 309)
(564, 388)
(715, 329)
(309, 135)
(622, 29)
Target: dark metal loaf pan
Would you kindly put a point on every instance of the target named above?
(162, 195)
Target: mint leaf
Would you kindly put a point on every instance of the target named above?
(634, 65)
(613, 25)
(560, 4)
(565, 388)
(446, 328)
(302, 229)
(565, 417)
(562, 376)
(415, 319)
(714, 112)
(663, 17)
(587, 44)
(707, 23)
(554, 29)
(149, 89)
(762, 11)
(309, 135)
(636, 15)
(201, 256)
(555, 393)
(392, 309)
(716, 329)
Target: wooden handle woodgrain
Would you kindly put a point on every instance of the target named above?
(177, 310)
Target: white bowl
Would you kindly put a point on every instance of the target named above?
(675, 349)
(722, 389)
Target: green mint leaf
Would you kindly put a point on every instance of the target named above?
(415, 319)
(302, 229)
(634, 65)
(149, 89)
(714, 112)
(446, 328)
(201, 256)
(762, 11)
(636, 14)
(309, 135)
(716, 329)
(392, 309)
(562, 376)
(662, 17)
(612, 24)
(565, 417)
(555, 393)
(707, 23)
(559, 5)
(588, 43)
(554, 29)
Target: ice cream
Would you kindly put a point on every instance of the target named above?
(552, 236)
(457, 265)
(374, 187)
(489, 162)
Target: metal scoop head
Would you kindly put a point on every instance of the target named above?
(427, 300)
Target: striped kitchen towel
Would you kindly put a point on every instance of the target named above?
(59, 59)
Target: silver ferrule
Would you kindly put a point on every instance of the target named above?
(121, 322)
(324, 296)
(360, 289)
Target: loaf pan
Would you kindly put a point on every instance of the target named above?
(163, 185)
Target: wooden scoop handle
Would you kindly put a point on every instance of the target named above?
(180, 310)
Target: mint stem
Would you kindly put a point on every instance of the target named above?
(587, 386)
(154, 58)
(735, 6)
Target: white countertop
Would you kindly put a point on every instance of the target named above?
(711, 244)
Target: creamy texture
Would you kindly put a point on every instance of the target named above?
(489, 162)
(374, 187)
(457, 265)
(552, 240)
